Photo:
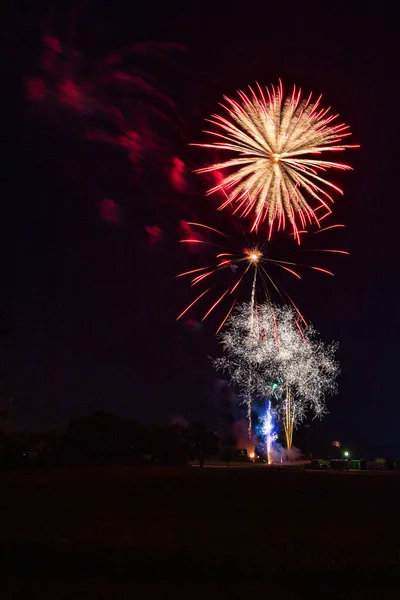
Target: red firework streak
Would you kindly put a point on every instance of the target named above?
(233, 274)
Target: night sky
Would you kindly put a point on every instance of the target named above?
(89, 294)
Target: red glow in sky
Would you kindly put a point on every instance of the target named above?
(109, 211)
(177, 174)
(35, 89)
(155, 233)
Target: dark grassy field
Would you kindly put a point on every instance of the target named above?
(195, 533)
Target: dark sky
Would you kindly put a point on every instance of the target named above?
(91, 304)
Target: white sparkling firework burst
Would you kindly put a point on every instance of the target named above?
(276, 173)
(269, 354)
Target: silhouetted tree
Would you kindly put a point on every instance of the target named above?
(103, 438)
(169, 445)
(8, 453)
(228, 450)
(203, 442)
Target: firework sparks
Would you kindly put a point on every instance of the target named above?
(278, 358)
(268, 430)
(275, 173)
(251, 265)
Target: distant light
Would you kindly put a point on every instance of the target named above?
(346, 453)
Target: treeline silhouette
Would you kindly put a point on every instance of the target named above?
(105, 439)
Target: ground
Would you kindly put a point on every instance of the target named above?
(195, 533)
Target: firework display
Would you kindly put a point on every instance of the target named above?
(241, 261)
(270, 163)
(275, 178)
(269, 353)
(268, 430)
(275, 174)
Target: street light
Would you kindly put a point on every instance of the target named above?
(346, 453)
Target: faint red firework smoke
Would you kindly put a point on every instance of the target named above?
(109, 211)
(155, 233)
(177, 174)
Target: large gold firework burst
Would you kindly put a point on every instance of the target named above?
(276, 175)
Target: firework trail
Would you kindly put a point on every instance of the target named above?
(236, 259)
(268, 430)
(275, 173)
